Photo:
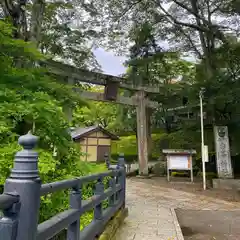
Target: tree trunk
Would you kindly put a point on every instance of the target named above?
(206, 39)
(36, 21)
(16, 13)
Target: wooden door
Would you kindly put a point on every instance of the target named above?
(101, 150)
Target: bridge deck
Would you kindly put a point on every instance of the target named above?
(151, 203)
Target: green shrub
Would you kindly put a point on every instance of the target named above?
(160, 141)
(179, 174)
(128, 158)
(209, 175)
(128, 146)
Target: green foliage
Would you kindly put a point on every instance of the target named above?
(182, 139)
(151, 65)
(96, 113)
(7, 152)
(31, 100)
(104, 114)
(209, 175)
(159, 142)
(180, 174)
(65, 40)
(126, 145)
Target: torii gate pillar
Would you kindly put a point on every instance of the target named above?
(142, 133)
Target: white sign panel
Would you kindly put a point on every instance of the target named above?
(205, 153)
(179, 162)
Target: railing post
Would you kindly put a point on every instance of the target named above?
(99, 189)
(107, 160)
(121, 165)
(73, 232)
(9, 222)
(112, 184)
(25, 181)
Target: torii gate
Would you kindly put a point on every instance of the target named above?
(112, 84)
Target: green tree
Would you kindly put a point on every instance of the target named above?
(54, 27)
(31, 100)
(67, 39)
(99, 113)
(194, 28)
(150, 65)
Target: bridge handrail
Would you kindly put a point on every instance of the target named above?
(70, 183)
(20, 202)
(7, 200)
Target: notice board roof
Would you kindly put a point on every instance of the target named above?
(179, 151)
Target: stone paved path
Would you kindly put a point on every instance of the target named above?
(150, 214)
(135, 166)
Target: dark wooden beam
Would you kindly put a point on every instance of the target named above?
(132, 101)
(95, 96)
(82, 75)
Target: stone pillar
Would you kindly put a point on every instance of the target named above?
(223, 156)
(142, 134)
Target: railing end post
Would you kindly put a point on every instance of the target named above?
(107, 160)
(28, 141)
(121, 160)
(26, 160)
(25, 180)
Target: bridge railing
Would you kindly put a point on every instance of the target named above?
(20, 201)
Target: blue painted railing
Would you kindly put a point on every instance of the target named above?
(20, 201)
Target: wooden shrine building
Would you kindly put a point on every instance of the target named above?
(95, 141)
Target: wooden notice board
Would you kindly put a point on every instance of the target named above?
(179, 160)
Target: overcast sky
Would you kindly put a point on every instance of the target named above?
(113, 65)
(110, 63)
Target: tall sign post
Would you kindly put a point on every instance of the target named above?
(202, 138)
